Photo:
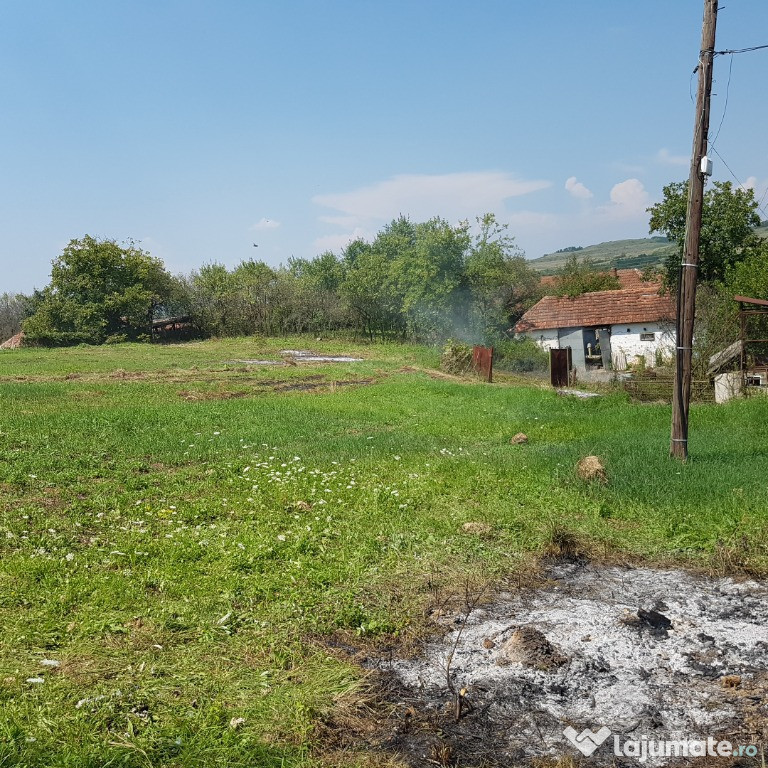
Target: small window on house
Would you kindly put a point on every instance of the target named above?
(647, 337)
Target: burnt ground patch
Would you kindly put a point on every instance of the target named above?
(658, 653)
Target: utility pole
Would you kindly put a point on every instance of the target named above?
(686, 292)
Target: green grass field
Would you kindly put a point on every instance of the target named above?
(183, 533)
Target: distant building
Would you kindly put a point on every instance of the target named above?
(606, 329)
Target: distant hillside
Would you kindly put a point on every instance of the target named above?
(622, 254)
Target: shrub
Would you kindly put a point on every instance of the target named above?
(521, 356)
(456, 357)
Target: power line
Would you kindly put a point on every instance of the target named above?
(725, 106)
(731, 52)
(740, 183)
(740, 50)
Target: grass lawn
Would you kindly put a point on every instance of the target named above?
(181, 532)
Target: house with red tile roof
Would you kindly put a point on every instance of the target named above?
(606, 329)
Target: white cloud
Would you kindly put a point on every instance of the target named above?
(337, 243)
(347, 222)
(577, 189)
(665, 157)
(454, 196)
(263, 223)
(629, 200)
(750, 183)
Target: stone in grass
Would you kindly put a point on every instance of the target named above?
(519, 439)
(477, 528)
(591, 468)
(529, 646)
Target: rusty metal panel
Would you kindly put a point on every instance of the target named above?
(482, 362)
(560, 367)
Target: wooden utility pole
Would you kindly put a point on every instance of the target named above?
(686, 292)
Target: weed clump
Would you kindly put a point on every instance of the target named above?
(590, 469)
(456, 358)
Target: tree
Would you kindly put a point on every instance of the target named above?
(314, 287)
(729, 217)
(14, 308)
(369, 291)
(577, 277)
(502, 285)
(99, 291)
(428, 275)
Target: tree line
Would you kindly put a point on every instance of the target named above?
(423, 281)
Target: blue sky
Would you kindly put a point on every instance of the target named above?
(199, 128)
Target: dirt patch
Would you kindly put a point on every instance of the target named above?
(661, 654)
(433, 374)
(193, 397)
(120, 373)
(306, 384)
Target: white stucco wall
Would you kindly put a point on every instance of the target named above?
(626, 344)
(547, 339)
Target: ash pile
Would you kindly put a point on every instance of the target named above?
(645, 653)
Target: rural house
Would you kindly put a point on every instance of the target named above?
(606, 329)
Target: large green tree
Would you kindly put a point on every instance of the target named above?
(99, 291)
(729, 217)
(502, 285)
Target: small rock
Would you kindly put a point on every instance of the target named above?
(591, 468)
(586, 639)
(488, 643)
(529, 646)
(655, 619)
(519, 439)
(475, 527)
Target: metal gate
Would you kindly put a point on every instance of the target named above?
(560, 367)
(482, 362)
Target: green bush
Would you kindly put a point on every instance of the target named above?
(456, 357)
(520, 356)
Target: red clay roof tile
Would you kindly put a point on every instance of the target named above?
(639, 303)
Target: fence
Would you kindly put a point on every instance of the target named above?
(659, 389)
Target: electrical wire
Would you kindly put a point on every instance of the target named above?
(740, 50)
(725, 106)
(729, 52)
(740, 183)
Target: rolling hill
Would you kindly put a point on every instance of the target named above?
(622, 254)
